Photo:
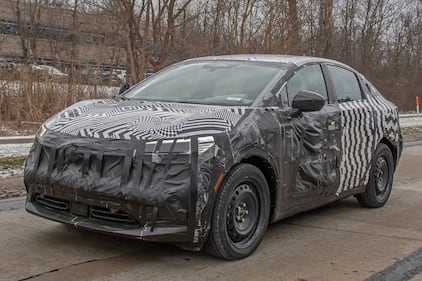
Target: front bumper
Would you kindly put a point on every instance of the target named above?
(85, 216)
(122, 188)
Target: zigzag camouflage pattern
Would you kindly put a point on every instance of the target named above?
(364, 124)
(148, 121)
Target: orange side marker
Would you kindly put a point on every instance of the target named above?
(219, 181)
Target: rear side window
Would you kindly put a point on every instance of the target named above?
(371, 88)
(345, 83)
(309, 78)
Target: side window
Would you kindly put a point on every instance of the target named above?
(371, 88)
(309, 78)
(345, 83)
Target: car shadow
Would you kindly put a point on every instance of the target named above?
(64, 236)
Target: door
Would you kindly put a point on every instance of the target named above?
(312, 141)
(357, 138)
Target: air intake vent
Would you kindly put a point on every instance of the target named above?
(111, 215)
(52, 203)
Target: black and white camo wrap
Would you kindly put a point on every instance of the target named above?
(144, 120)
(364, 123)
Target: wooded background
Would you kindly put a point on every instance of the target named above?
(380, 38)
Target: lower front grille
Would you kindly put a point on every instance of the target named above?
(84, 210)
(52, 203)
(111, 215)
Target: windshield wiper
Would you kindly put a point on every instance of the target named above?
(171, 101)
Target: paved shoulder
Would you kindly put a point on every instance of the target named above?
(11, 205)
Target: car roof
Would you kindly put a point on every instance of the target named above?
(283, 59)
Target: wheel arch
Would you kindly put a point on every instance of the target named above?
(393, 149)
(376, 194)
(268, 170)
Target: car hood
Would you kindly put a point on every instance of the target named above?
(131, 119)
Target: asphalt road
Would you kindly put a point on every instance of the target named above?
(341, 241)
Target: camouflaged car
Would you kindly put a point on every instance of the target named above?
(209, 151)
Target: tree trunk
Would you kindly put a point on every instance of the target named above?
(326, 27)
(73, 51)
(293, 34)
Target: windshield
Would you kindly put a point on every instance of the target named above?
(216, 83)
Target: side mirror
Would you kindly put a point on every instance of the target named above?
(308, 101)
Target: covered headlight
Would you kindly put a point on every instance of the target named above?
(179, 146)
(176, 146)
(41, 132)
(45, 127)
(205, 144)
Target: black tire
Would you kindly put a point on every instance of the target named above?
(380, 179)
(241, 214)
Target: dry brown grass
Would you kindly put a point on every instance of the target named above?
(29, 98)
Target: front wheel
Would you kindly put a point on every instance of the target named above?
(380, 179)
(241, 214)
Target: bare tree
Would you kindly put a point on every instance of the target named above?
(326, 26)
(74, 48)
(27, 14)
(294, 26)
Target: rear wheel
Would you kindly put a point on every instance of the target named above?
(380, 179)
(240, 215)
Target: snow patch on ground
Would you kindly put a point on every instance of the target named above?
(15, 87)
(14, 150)
(8, 173)
(410, 121)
